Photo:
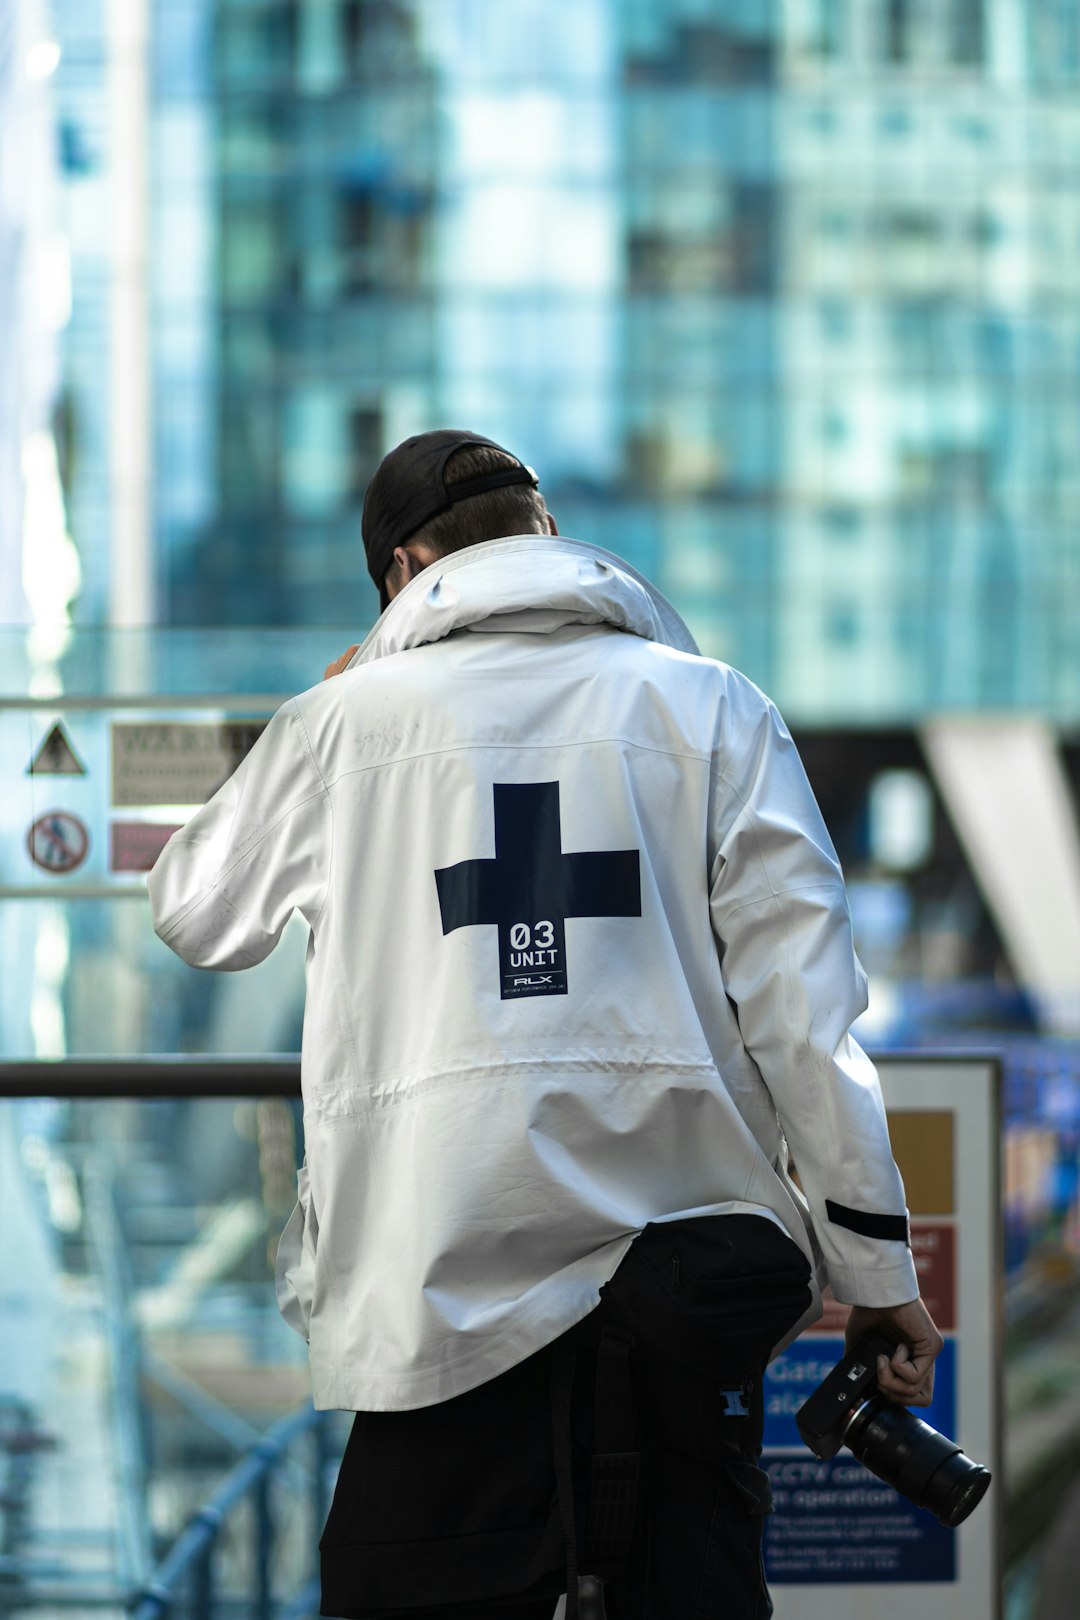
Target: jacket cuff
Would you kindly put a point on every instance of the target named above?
(885, 1283)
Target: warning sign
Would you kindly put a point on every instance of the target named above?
(177, 761)
(58, 842)
(56, 756)
(134, 846)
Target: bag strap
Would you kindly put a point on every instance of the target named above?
(616, 1463)
(562, 1392)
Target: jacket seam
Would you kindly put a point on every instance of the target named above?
(780, 894)
(330, 806)
(416, 1090)
(828, 1099)
(731, 752)
(177, 921)
(243, 952)
(830, 1237)
(747, 810)
(532, 747)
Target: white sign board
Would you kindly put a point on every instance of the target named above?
(841, 1545)
(176, 761)
(94, 790)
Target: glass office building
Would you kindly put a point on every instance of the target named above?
(781, 301)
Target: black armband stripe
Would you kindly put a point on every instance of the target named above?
(889, 1228)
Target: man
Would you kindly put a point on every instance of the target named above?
(580, 969)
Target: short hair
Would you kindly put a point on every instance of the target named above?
(514, 509)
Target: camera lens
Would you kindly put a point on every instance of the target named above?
(926, 1467)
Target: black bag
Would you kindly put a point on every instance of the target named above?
(714, 1293)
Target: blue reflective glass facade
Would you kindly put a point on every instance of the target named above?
(781, 300)
(82, 418)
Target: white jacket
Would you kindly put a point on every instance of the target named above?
(580, 959)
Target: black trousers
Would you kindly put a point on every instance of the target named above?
(450, 1512)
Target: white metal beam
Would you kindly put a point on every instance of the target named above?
(1010, 801)
(131, 572)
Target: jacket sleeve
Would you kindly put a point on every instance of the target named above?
(225, 885)
(781, 920)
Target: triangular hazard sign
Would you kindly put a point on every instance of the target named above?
(56, 757)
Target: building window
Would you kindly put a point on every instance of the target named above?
(842, 522)
(835, 316)
(377, 35)
(896, 121)
(821, 118)
(973, 129)
(817, 28)
(910, 226)
(835, 224)
(986, 229)
(835, 428)
(899, 30)
(966, 29)
(842, 624)
(365, 445)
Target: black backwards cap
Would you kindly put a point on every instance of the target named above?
(407, 489)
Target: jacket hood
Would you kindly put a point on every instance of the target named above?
(526, 582)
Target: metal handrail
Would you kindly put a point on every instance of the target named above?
(193, 1551)
(149, 1078)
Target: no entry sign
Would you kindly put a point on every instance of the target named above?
(58, 842)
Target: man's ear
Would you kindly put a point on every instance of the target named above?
(411, 559)
(551, 524)
(406, 563)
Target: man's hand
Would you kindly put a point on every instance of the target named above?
(340, 663)
(908, 1377)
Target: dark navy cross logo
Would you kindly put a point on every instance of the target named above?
(531, 887)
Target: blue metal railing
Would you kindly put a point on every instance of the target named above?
(190, 1562)
(134, 1541)
(189, 1580)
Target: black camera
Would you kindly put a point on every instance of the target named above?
(848, 1409)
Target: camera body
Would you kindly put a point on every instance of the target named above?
(823, 1418)
(848, 1409)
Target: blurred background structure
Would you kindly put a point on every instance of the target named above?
(781, 298)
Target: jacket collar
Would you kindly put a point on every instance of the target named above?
(534, 582)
